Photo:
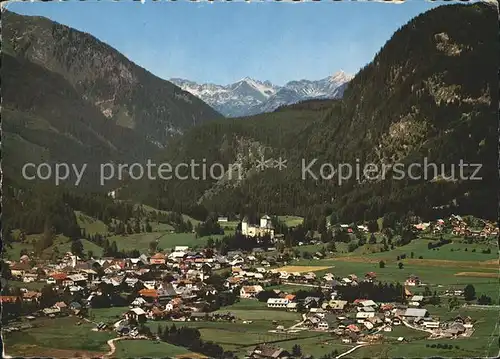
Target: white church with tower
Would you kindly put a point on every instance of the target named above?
(265, 228)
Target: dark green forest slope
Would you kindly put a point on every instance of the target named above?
(430, 92)
(122, 91)
(46, 120)
(68, 97)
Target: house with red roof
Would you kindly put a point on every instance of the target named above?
(148, 293)
(158, 258)
(57, 278)
(8, 298)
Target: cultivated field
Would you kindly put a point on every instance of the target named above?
(302, 269)
(423, 262)
(438, 274)
(477, 274)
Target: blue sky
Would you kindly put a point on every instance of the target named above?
(224, 42)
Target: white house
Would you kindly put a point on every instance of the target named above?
(139, 301)
(29, 277)
(136, 313)
(177, 255)
(285, 275)
(149, 284)
(412, 281)
(78, 279)
(329, 277)
(131, 281)
(277, 303)
(323, 325)
(237, 261)
(181, 248)
(416, 300)
(363, 228)
(361, 316)
(431, 323)
(250, 291)
(367, 303)
(368, 325)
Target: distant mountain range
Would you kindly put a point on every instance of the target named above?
(250, 97)
(413, 103)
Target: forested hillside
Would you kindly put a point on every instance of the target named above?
(69, 98)
(430, 92)
(122, 91)
(46, 120)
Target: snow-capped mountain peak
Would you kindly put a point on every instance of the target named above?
(265, 88)
(249, 96)
(341, 77)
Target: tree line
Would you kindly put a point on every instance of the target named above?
(190, 338)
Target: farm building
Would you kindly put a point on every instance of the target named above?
(412, 313)
(277, 303)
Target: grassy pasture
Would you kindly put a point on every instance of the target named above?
(56, 334)
(90, 224)
(147, 348)
(291, 221)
